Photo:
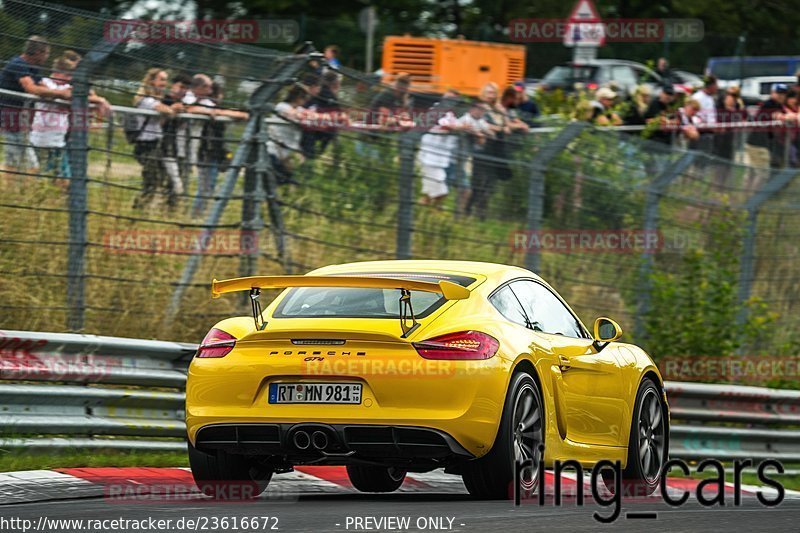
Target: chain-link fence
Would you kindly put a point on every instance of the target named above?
(681, 247)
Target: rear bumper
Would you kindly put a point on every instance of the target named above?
(336, 443)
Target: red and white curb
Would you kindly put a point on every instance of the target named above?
(125, 485)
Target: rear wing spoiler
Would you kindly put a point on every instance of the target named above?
(254, 284)
(448, 289)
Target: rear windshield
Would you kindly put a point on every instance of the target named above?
(351, 302)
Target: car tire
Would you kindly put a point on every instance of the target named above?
(375, 478)
(520, 433)
(226, 476)
(648, 444)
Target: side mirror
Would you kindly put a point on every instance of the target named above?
(606, 330)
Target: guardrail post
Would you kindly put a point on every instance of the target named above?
(655, 189)
(405, 207)
(747, 259)
(538, 167)
(78, 148)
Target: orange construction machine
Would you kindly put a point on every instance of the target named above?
(439, 64)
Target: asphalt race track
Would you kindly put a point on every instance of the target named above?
(430, 502)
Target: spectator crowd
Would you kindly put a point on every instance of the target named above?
(171, 149)
(466, 144)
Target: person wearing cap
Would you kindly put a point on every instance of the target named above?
(661, 111)
(603, 113)
(770, 111)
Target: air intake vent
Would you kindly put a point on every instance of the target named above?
(415, 58)
(515, 70)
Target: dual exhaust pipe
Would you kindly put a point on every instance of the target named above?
(302, 440)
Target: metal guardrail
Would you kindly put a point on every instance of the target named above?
(63, 390)
(729, 422)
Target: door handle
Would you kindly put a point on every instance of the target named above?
(563, 363)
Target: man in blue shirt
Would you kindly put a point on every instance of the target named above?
(22, 74)
(332, 56)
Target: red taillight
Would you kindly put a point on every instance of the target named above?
(216, 343)
(462, 345)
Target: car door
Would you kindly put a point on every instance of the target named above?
(587, 383)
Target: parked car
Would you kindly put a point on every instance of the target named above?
(757, 89)
(735, 68)
(626, 75)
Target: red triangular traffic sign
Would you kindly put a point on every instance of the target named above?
(584, 11)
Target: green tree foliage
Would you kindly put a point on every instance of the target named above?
(768, 26)
(9, 46)
(694, 307)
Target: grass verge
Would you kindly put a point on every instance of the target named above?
(11, 461)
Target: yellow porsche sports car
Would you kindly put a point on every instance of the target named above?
(390, 367)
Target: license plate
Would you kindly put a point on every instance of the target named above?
(315, 393)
